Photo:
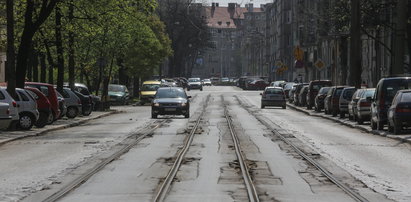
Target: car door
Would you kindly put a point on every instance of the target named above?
(391, 110)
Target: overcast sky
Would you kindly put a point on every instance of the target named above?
(224, 3)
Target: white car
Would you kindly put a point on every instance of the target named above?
(27, 107)
(5, 117)
(194, 83)
(13, 109)
(206, 82)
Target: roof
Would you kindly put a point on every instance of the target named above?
(152, 82)
(221, 17)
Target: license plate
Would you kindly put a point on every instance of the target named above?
(169, 109)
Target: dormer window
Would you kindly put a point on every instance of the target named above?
(219, 22)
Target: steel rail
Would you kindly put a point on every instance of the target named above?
(321, 168)
(165, 186)
(84, 177)
(251, 190)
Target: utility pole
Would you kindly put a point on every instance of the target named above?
(11, 70)
(355, 45)
(400, 29)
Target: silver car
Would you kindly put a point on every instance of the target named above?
(27, 107)
(73, 103)
(13, 107)
(345, 99)
(273, 96)
(5, 117)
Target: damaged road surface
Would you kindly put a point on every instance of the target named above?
(79, 164)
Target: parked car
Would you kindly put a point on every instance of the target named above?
(331, 103)
(297, 92)
(384, 93)
(319, 99)
(119, 94)
(13, 107)
(291, 94)
(273, 96)
(73, 103)
(287, 87)
(313, 89)
(352, 105)
(27, 107)
(277, 83)
(43, 106)
(258, 84)
(206, 82)
(302, 96)
(194, 83)
(5, 117)
(345, 98)
(362, 110)
(86, 103)
(83, 89)
(62, 105)
(170, 100)
(148, 90)
(51, 94)
(399, 114)
(242, 82)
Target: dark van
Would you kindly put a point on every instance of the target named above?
(384, 94)
(313, 89)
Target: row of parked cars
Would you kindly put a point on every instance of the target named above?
(387, 104)
(39, 104)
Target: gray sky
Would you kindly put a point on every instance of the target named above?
(256, 3)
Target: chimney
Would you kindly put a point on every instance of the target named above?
(212, 9)
(216, 4)
(250, 7)
(231, 9)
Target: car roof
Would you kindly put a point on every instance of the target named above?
(37, 83)
(169, 87)
(152, 82)
(276, 87)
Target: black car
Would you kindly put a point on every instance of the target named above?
(170, 101)
(399, 114)
(319, 98)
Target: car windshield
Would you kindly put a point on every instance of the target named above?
(338, 92)
(368, 93)
(406, 97)
(390, 88)
(150, 87)
(289, 86)
(194, 80)
(170, 93)
(348, 93)
(274, 91)
(116, 88)
(323, 90)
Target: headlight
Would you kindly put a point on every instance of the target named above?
(156, 104)
(183, 104)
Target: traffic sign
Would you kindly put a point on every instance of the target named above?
(319, 64)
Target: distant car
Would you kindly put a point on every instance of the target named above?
(14, 112)
(27, 107)
(73, 103)
(297, 92)
(384, 94)
(276, 83)
(352, 105)
(51, 94)
(84, 90)
(86, 103)
(313, 89)
(287, 87)
(331, 104)
(257, 85)
(206, 82)
(291, 94)
(302, 96)
(345, 99)
(170, 101)
(399, 114)
(319, 99)
(5, 117)
(363, 108)
(225, 81)
(43, 106)
(273, 96)
(118, 94)
(62, 105)
(194, 83)
(148, 90)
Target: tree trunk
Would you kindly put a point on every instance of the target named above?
(60, 51)
(43, 65)
(344, 60)
(11, 71)
(399, 37)
(35, 62)
(29, 76)
(355, 46)
(71, 64)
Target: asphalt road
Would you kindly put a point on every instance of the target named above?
(377, 168)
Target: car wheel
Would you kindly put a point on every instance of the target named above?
(26, 121)
(42, 121)
(201, 89)
(87, 112)
(334, 112)
(50, 118)
(154, 115)
(187, 115)
(72, 112)
(262, 106)
(188, 89)
(360, 120)
(284, 106)
(380, 125)
(373, 125)
(342, 115)
(349, 116)
(397, 128)
(390, 127)
(142, 103)
(309, 107)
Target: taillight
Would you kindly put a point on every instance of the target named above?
(365, 104)
(402, 110)
(14, 104)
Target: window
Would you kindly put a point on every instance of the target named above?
(2, 97)
(406, 97)
(23, 96)
(65, 94)
(34, 95)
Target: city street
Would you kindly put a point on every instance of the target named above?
(374, 167)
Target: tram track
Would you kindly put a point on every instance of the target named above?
(275, 130)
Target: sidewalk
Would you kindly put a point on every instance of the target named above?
(365, 127)
(8, 136)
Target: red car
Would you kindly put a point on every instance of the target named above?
(43, 105)
(257, 85)
(51, 94)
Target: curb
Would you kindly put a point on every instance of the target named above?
(374, 132)
(40, 133)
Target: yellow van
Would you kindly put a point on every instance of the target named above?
(148, 90)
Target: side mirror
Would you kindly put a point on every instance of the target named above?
(188, 97)
(261, 93)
